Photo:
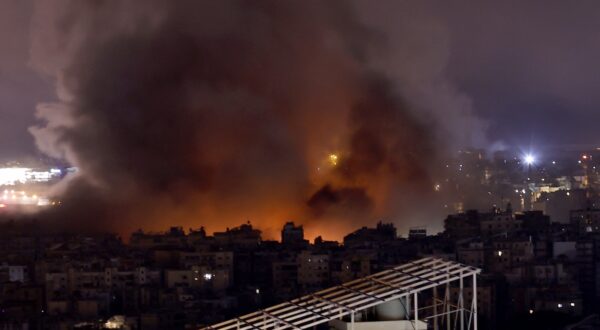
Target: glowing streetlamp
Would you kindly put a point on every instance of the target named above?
(529, 159)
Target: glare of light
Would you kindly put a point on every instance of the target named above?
(333, 159)
(115, 322)
(257, 291)
(111, 325)
(437, 187)
(572, 304)
(529, 159)
(559, 305)
(13, 175)
(10, 176)
(2, 206)
(531, 311)
(208, 276)
(499, 253)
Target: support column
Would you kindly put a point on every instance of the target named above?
(447, 304)
(461, 304)
(416, 304)
(352, 321)
(475, 301)
(435, 301)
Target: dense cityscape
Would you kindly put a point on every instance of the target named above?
(299, 164)
(539, 249)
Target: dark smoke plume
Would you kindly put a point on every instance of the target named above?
(217, 112)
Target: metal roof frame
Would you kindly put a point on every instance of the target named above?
(351, 297)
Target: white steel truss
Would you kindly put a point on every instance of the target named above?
(404, 281)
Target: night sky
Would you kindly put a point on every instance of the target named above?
(528, 67)
(198, 109)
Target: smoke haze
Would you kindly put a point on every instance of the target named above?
(216, 112)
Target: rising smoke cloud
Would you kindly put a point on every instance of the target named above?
(217, 112)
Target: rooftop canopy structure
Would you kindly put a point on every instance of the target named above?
(346, 306)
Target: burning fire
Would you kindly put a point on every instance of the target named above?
(333, 159)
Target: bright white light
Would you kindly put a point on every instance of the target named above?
(13, 175)
(115, 322)
(529, 159)
(572, 304)
(10, 176)
(559, 305)
(208, 276)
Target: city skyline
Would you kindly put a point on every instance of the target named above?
(175, 164)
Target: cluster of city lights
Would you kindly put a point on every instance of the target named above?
(10, 176)
(12, 197)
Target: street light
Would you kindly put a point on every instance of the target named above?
(529, 159)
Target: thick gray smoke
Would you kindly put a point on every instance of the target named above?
(217, 112)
